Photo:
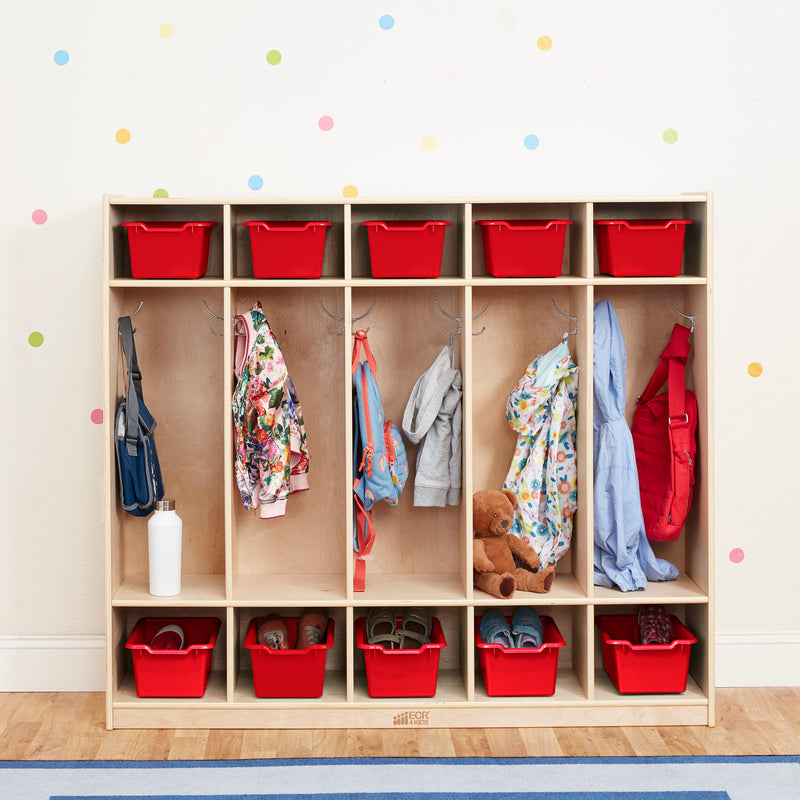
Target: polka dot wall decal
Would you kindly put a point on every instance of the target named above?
(531, 141)
(274, 57)
(166, 31)
(255, 182)
(754, 369)
(39, 216)
(736, 555)
(35, 339)
(670, 136)
(160, 193)
(544, 42)
(429, 143)
(61, 57)
(386, 22)
(123, 136)
(97, 416)
(350, 191)
(325, 123)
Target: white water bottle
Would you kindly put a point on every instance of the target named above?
(164, 532)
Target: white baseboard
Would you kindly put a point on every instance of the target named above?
(77, 663)
(771, 658)
(52, 664)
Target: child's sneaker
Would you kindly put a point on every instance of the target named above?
(272, 632)
(494, 629)
(311, 627)
(527, 628)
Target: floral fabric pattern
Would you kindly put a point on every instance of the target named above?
(543, 471)
(271, 455)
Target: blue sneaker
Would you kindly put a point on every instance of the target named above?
(526, 627)
(494, 629)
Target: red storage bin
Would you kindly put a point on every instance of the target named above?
(401, 673)
(287, 249)
(288, 673)
(520, 671)
(644, 668)
(519, 248)
(640, 247)
(169, 249)
(406, 248)
(173, 673)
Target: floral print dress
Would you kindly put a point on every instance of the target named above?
(543, 473)
(270, 452)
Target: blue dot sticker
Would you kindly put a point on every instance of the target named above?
(386, 22)
(61, 57)
(255, 182)
(531, 141)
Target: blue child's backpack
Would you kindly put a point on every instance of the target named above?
(380, 465)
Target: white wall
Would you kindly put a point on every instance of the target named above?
(206, 111)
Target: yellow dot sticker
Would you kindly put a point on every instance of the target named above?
(123, 136)
(349, 191)
(544, 42)
(166, 31)
(429, 143)
(754, 369)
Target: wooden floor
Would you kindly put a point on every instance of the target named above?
(64, 726)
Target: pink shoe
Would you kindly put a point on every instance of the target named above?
(272, 632)
(311, 627)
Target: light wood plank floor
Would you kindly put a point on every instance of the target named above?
(70, 726)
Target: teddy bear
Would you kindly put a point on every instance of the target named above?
(496, 552)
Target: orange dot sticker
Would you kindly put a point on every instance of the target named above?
(349, 191)
(544, 42)
(754, 369)
(123, 136)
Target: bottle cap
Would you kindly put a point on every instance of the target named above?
(167, 504)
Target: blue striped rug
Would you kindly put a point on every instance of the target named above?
(692, 778)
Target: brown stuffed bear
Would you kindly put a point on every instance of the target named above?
(494, 549)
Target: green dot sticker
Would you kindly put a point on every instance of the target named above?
(670, 136)
(274, 57)
(160, 193)
(35, 339)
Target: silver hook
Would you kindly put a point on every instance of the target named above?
(574, 319)
(451, 334)
(480, 315)
(141, 303)
(205, 305)
(341, 319)
(690, 317)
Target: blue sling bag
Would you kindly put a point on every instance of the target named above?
(140, 482)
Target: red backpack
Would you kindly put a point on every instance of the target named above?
(664, 438)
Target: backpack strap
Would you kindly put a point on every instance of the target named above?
(672, 368)
(134, 386)
(365, 536)
(361, 341)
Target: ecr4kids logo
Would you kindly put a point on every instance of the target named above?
(413, 718)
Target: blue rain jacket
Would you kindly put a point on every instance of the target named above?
(622, 553)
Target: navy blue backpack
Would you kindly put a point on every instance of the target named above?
(140, 482)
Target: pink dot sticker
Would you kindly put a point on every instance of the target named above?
(736, 555)
(39, 216)
(97, 416)
(325, 123)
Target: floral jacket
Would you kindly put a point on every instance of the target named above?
(543, 474)
(271, 456)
